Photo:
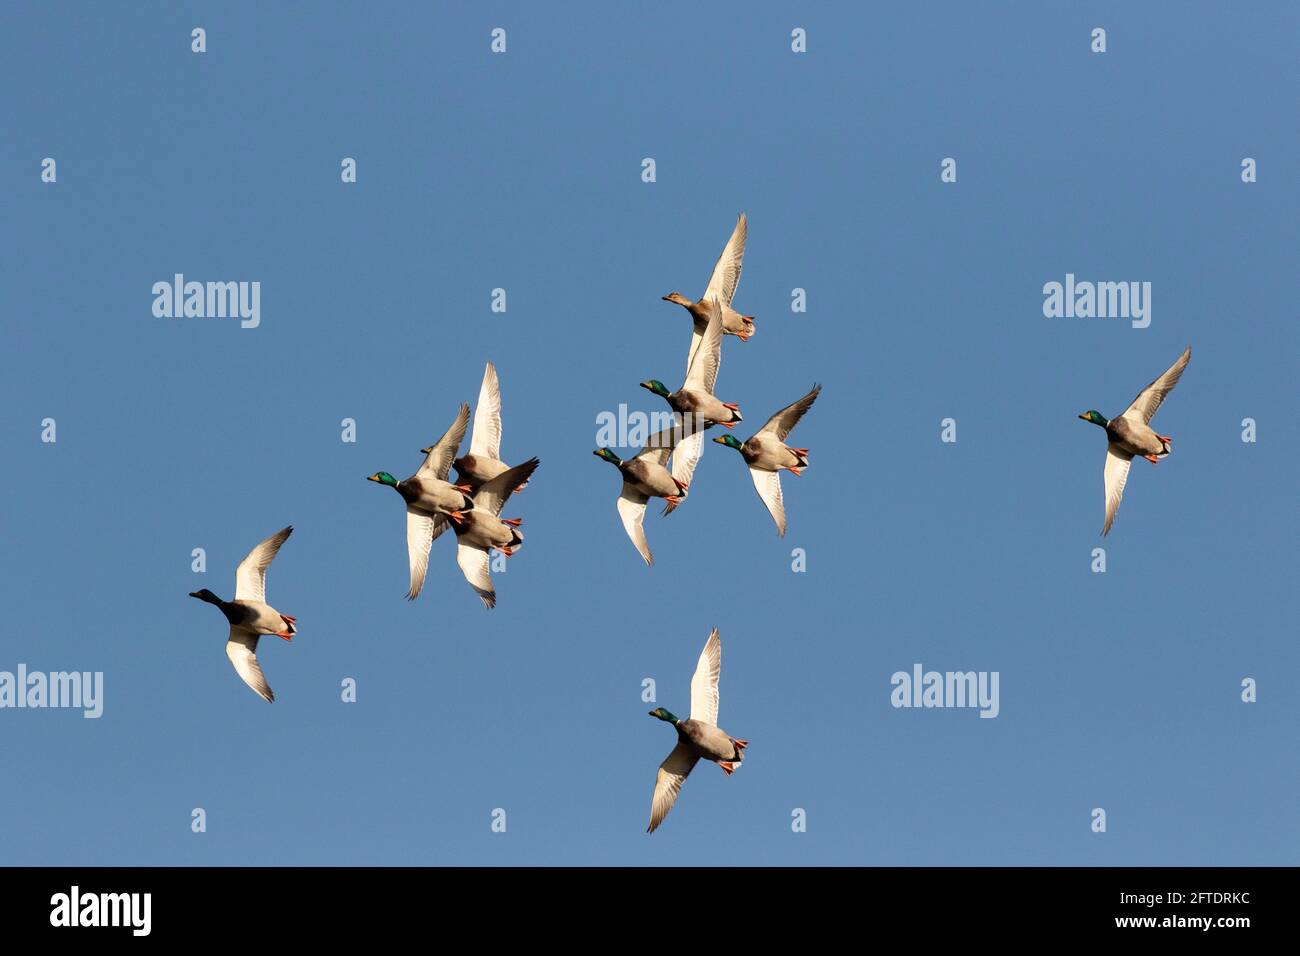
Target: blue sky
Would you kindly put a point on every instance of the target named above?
(522, 171)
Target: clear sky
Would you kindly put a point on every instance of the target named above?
(522, 171)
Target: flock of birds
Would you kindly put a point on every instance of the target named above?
(472, 504)
(697, 408)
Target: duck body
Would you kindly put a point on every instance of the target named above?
(1136, 438)
(702, 405)
(709, 742)
(766, 452)
(733, 323)
(649, 478)
(257, 617)
(251, 617)
(433, 496)
(477, 470)
(482, 529)
(427, 496)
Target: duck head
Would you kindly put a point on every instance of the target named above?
(658, 387)
(608, 455)
(731, 441)
(1095, 417)
(384, 478)
(206, 596)
(663, 715)
(678, 298)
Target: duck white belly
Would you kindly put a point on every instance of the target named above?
(712, 743)
(484, 530)
(259, 618)
(439, 497)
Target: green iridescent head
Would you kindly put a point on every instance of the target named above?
(608, 455)
(1095, 417)
(658, 387)
(663, 715)
(384, 478)
(731, 441)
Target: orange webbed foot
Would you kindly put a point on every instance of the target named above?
(727, 766)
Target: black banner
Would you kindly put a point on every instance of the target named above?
(326, 905)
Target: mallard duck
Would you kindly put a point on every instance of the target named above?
(722, 286)
(430, 498)
(697, 737)
(483, 463)
(696, 406)
(483, 527)
(250, 616)
(1130, 434)
(646, 477)
(766, 453)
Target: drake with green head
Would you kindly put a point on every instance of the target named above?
(697, 737)
(1131, 434)
(696, 406)
(767, 454)
(431, 500)
(696, 397)
(644, 477)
